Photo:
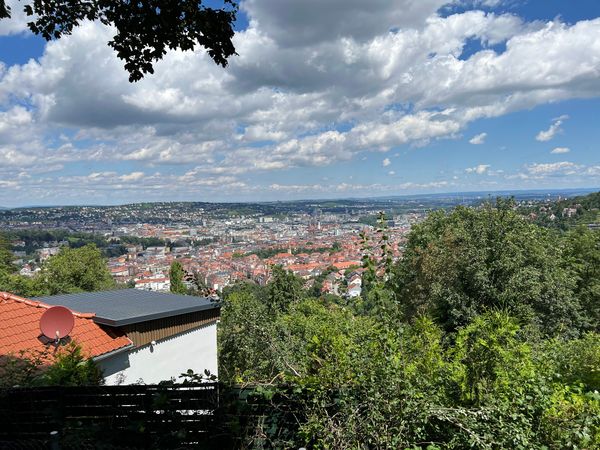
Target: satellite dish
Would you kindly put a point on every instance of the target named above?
(57, 322)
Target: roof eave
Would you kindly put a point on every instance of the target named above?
(161, 315)
(113, 352)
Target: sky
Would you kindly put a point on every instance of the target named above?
(325, 99)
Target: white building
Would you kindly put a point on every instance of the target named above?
(160, 284)
(169, 333)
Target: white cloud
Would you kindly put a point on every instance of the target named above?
(391, 173)
(295, 23)
(363, 189)
(560, 150)
(18, 21)
(563, 173)
(305, 90)
(479, 169)
(564, 167)
(547, 135)
(479, 139)
(386, 162)
(133, 176)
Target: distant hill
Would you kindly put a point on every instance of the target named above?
(566, 213)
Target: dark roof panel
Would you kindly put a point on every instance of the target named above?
(127, 306)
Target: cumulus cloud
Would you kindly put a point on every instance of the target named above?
(560, 150)
(306, 90)
(479, 139)
(295, 23)
(479, 169)
(548, 135)
(386, 162)
(563, 167)
(18, 21)
(133, 176)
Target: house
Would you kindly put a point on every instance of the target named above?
(133, 335)
(170, 333)
(20, 332)
(353, 291)
(354, 286)
(119, 271)
(153, 284)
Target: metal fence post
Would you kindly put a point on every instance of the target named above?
(54, 443)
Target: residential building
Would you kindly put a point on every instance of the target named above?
(170, 333)
(134, 336)
(20, 334)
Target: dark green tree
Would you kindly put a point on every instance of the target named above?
(460, 264)
(75, 270)
(145, 30)
(248, 342)
(6, 257)
(284, 289)
(176, 277)
(582, 255)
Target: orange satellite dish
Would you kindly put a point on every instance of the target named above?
(57, 322)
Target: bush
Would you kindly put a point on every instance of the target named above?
(69, 367)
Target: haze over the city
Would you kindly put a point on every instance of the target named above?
(330, 99)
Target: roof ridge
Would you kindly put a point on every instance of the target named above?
(38, 304)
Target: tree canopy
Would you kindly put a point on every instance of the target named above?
(145, 30)
(76, 270)
(478, 338)
(460, 264)
(6, 256)
(71, 270)
(483, 336)
(284, 289)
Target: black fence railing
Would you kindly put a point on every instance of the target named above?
(203, 415)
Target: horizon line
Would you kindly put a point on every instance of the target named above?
(320, 199)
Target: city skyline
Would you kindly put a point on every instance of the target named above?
(355, 101)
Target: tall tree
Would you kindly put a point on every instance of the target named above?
(76, 270)
(582, 254)
(284, 289)
(6, 256)
(460, 264)
(145, 30)
(248, 342)
(176, 276)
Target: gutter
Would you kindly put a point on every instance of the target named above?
(112, 353)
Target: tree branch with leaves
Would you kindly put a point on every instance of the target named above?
(145, 29)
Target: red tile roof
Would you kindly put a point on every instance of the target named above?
(346, 264)
(20, 330)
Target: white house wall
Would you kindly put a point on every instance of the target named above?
(195, 349)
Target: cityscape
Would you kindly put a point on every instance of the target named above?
(299, 224)
(219, 245)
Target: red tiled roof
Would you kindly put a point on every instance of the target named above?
(20, 329)
(346, 264)
(151, 280)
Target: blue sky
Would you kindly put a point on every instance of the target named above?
(340, 99)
